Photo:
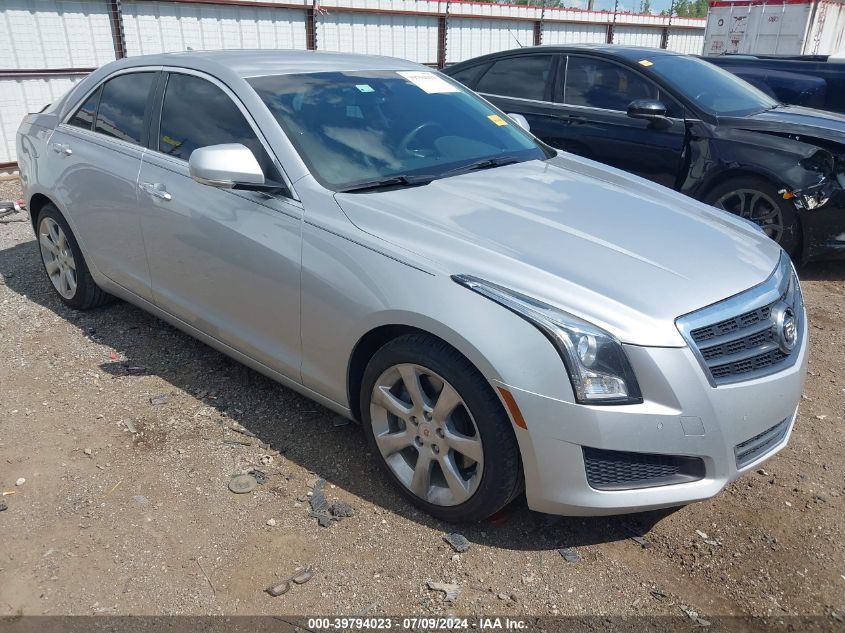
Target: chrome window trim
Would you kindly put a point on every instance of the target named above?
(489, 94)
(756, 297)
(243, 109)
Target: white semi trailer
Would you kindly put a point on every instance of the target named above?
(776, 27)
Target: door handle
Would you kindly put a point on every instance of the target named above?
(62, 148)
(156, 190)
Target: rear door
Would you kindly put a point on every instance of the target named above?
(96, 153)
(522, 84)
(226, 262)
(592, 97)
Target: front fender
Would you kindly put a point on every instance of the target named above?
(714, 155)
(349, 290)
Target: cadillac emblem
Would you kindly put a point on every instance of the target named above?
(785, 327)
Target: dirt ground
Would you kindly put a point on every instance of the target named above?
(111, 521)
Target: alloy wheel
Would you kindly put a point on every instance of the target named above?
(426, 434)
(58, 257)
(755, 206)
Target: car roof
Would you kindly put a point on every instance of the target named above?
(257, 63)
(628, 53)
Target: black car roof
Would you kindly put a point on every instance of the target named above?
(628, 53)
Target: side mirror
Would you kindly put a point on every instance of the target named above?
(520, 120)
(225, 166)
(649, 110)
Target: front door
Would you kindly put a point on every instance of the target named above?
(226, 262)
(592, 97)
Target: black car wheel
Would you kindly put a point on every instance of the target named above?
(758, 200)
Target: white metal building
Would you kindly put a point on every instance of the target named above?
(47, 45)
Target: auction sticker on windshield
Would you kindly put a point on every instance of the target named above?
(429, 82)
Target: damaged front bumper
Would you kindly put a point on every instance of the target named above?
(821, 208)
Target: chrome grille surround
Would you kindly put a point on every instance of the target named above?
(740, 338)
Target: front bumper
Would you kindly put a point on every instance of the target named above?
(824, 229)
(683, 415)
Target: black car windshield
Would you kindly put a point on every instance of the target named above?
(714, 90)
(368, 126)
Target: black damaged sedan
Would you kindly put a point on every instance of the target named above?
(684, 123)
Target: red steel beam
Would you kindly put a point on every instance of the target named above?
(44, 72)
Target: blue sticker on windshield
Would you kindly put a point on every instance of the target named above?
(364, 88)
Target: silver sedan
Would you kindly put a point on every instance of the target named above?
(499, 316)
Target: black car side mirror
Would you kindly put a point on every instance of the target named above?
(649, 110)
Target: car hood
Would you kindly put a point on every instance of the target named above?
(614, 249)
(794, 120)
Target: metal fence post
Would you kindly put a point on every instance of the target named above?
(116, 23)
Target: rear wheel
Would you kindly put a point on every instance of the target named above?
(758, 200)
(438, 430)
(64, 264)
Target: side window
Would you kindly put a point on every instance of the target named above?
(196, 113)
(524, 77)
(467, 76)
(595, 83)
(122, 106)
(84, 116)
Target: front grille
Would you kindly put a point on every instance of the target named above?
(739, 338)
(620, 470)
(753, 449)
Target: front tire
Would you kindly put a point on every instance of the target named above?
(64, 264)
(438, 431)
(758, 200)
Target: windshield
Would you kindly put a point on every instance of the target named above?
(366, 126)
(714, 90)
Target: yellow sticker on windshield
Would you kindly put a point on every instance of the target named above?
(497, 119)
(645, 62)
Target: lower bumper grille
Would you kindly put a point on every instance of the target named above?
(754, 448)
(620, 470)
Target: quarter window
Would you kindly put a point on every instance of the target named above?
(84, 116)
(122, 106)
(196, 113)
(467, 76)
(524, 77)
(595, 83)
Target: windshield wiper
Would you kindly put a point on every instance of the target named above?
(487, 163)
(415, 181)
(383, 183)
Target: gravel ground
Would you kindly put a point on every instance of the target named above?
(120, 426)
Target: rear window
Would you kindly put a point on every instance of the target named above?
(122, 106)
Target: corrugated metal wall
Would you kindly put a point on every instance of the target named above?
(158, 27)
(471, 37)
(412, 37)
(637, 36)
(54, 34)
(41, 35)
(574, 33)
(685, 41)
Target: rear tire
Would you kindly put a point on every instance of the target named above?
(758, 200)
(470, 453)
(64, 264)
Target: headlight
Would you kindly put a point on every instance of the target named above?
(597, 365)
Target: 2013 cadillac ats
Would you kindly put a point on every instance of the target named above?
(498, 315)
